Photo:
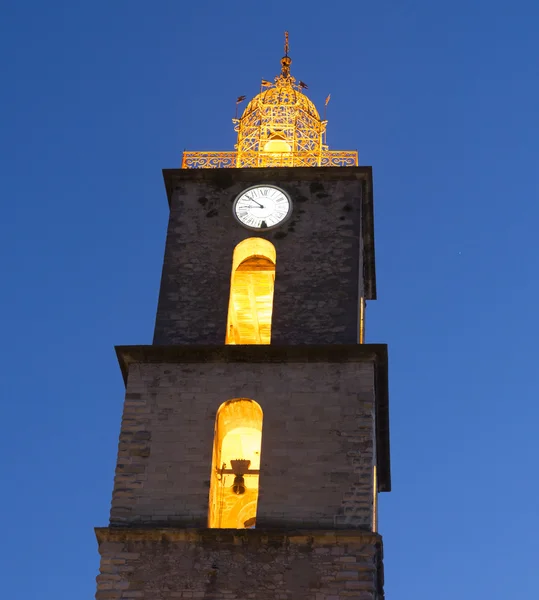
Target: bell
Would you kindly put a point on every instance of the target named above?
(238, 487)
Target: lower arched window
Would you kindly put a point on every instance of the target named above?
(235, 469)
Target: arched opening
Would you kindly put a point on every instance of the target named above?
(235, 467)
(251, 293)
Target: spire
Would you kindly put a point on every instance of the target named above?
(286, 61)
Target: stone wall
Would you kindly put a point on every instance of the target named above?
(232, 565)
(317, 438)
(320, 254)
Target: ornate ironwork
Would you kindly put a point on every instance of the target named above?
(209, 160)
(223, 160)
(279, 127)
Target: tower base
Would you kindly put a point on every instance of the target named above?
(230, 564)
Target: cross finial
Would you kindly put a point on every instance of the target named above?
(286, 46)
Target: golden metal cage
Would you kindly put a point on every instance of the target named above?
(280, 127)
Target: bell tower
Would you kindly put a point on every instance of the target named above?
(255, 431)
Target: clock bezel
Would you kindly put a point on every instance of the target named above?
(257, 186)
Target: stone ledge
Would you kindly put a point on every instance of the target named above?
(238, 536)
(247, 353)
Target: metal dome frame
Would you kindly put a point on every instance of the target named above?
(281, 113)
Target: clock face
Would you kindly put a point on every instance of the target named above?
(262, 207)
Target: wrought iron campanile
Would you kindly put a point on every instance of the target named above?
(279, 127)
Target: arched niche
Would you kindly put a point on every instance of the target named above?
(252, 281)
(233, 483)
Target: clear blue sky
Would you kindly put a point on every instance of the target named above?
(440, 98)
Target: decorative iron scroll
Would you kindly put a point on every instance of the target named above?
(209, 160)
(339, 158)
(224, 160)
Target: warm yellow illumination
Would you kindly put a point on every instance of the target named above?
(282, 107)
(238, 439)
(251, 293)
(362, 320)
(229, 159)
(374, 500)
(279, 127)
(277, 145)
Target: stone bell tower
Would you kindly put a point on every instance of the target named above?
(255, 430)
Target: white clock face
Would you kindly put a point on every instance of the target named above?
(262, 207)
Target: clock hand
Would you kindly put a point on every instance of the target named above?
(253, 200)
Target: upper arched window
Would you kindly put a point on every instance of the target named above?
(251, 292)
(235, 465)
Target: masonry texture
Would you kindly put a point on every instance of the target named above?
(325, 429)
(325, 254)
(239, 564)
(318, 440)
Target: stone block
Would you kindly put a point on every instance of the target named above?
(181, 563)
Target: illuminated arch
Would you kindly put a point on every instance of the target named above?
(251, 293)
(235, 468)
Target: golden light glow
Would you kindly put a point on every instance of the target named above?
(374, 500)
(279, 127)
(277, 145)
(362, 320)
(250, 305)
(281, 113)
(229, 160)
(238, 437)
